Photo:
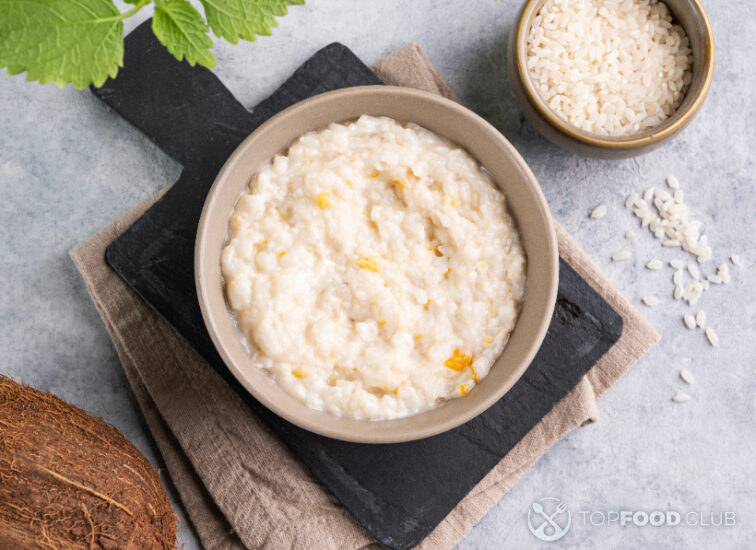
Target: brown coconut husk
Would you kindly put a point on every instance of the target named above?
(69, 480)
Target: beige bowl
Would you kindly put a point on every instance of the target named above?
(448, 119)
(688, 13)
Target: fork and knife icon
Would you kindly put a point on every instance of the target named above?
(558, 530)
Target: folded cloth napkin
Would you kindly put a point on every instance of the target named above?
(241, 487)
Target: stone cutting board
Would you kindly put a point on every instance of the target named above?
(398, 492)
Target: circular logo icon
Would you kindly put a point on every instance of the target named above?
(549, 519)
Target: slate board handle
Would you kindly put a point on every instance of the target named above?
(185, 110)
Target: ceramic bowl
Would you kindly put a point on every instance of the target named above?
(448, 119)
(688, 13)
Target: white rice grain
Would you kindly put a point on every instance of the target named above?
(672, 182)
(723, 272)
(735, 259)
(681, 398)
(676, 264)
(662, 195)
(696, 290)
(650, 300)
(679, 291)
(598, 212)
(712, 336)
(701, 319)
(654, 265)
(689, 321)
(687, 376)
(621, 256)
(716, 279)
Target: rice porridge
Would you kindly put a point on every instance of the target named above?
(374, 270)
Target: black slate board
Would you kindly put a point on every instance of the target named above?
(398, 492)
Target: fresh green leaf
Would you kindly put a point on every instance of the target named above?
(235, 19)
(81, 41)
(61, 41)
(182, 30)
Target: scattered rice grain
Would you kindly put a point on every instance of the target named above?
(701, 319)
(712, 336)
(735, 259)
(654, 265)
(686, 375)
(676, 264)
(621, 256)
(662, 195)
(689, 321)
(671, 222)
(696, 289)
(672, 182)
(599, 212)
(650, 300)
(681, 398)
(679, 291)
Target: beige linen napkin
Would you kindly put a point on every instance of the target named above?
(242, 488)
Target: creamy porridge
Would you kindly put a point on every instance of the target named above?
(374, 270)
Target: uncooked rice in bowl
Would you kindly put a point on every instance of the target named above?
(609, 67)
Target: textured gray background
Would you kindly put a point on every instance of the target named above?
(68, 166)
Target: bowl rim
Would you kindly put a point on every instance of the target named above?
(327, 429)
(528, 12)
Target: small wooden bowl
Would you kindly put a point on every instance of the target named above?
(448, 119)
(689, 14)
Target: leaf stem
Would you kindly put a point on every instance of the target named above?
(124, 15)
(136, 8)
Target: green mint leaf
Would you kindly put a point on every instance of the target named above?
(182, 30)
(235, 19)
(61, 41)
